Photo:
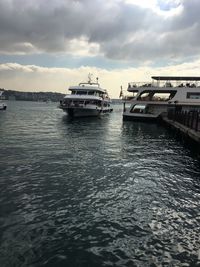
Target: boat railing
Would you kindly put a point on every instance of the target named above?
(167, 84)
(89, 83)
(140, 84)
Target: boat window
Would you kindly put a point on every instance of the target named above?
(138, 109)
(134, 94)
(194, 95)
(96, 93)
(82, 92)
(73, 92)
(161, 96)
(144, 96)
(90, 92)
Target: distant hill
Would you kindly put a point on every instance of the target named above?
(32, 96)
(38, 96)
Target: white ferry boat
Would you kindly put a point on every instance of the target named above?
(152, 100)
(86, 99)
(3, 106)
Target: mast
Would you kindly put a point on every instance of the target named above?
(90, 78)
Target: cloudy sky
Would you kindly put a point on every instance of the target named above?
(47, 45)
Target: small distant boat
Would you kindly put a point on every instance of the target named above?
(152, 100)
(3, 106)
(86, 99)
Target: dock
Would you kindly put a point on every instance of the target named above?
(186, 124)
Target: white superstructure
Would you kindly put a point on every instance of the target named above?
(86, 99)
(152, 100)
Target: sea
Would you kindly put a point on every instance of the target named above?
(95, 192)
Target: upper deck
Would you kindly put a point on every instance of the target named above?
(166, 82)
(87, 87)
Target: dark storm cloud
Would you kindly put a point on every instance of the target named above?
(123, 31)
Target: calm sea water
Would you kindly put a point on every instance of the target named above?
(94, 192)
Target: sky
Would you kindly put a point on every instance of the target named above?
(48, 45)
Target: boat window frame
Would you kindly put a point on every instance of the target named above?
(151, 94)
(141, 108)
(189, 94)
(81, 92)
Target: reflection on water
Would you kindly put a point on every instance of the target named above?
(94, 192)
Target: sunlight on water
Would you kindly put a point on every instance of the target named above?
(94, 192)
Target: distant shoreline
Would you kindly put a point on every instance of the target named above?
(31, 96)
(37, 96)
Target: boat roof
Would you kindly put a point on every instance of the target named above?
(176, 78)
(88, 86)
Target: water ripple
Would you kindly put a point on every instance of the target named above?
(94, 192)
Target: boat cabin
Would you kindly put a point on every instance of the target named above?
(90, 89)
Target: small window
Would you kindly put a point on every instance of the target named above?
(195, 95)
(138, 109)
(145, 96)
(82, 93)
(161, 96)
(90, 92)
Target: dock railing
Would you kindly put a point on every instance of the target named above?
(190, 119)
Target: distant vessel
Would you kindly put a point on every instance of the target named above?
(86, 99)
(3, 106)
(150, 101)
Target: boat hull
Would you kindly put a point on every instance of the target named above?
(83, 112)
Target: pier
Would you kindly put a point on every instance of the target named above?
(187, 124)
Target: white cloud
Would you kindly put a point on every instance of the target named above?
(152, 4)
(157, 6)
(81, 47)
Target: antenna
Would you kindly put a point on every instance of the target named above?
(89, 77)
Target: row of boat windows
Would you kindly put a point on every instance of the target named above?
(85, 102)
(96, 93)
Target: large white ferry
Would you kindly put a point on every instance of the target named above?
(86, 99)
(152, 100)
(3, 106)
